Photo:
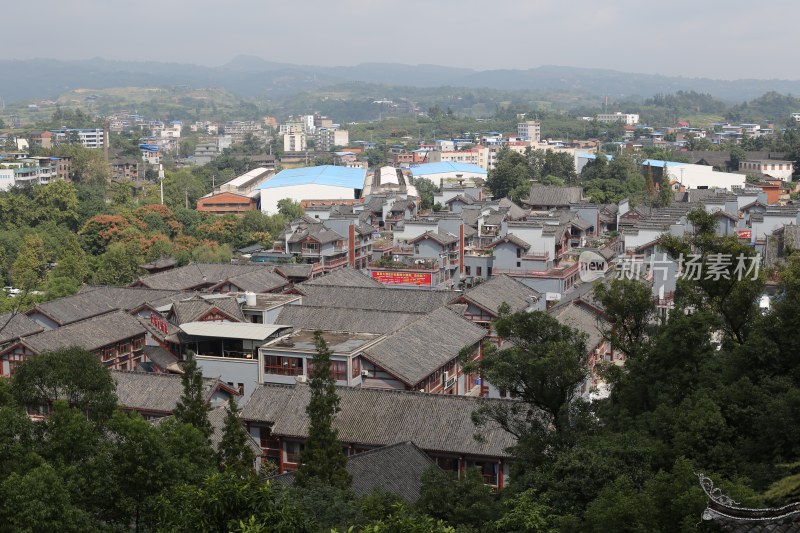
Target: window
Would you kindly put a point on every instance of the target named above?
(293, 450)
(356, 367)
(283, 366)
(519, 253)
(338, 369)
(478, 271)
(488, 272)
(467, 270)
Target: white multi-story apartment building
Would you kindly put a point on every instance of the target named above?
(629, 119)
(778, 169)
(86, 137)
(27, 171)
(328, 138)
(291, 127)
(531, 129)
(294, 142)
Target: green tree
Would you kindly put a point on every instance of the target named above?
(192, 408)
(542, 366)
(510, 177)
(57, 201)
(631, 313)
(322, 460)
(426, 189)
(29, 269)
(70, 374)
(39, 501)
(234, 451)
(526, 513)
(223, 502)
(119, 265)
(70, 271)
(290, 209)
(459, 502)
(733, 291)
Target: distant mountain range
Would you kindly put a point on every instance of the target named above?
(253, 76)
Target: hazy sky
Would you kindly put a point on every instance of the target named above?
(710, 38)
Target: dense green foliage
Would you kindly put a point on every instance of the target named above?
(514, 172)
(55, 237)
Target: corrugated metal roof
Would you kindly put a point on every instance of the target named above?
(231, 330)
(446, 166)
(352, 178)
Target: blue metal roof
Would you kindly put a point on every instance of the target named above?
(352, 178)
(660, 163)
(446, 166)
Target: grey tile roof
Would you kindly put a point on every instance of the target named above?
(463, 198)
(552, 196)
(514, 211)
(200, 275)
(378, 298)
(161, 357)
(378, 417)
(148, 391)
(93, 301)
(88, 334)
(260, 280)
(510, 238)
(344, 277)
(16, 325)
(193, 310)
(442, 238)
(294, 270)
(164, 262)
(317, 232)
(470, 217)
(340, 319)
(491, 294)
(495, 219)
(396, 469)
(418, 349)
(580, 317)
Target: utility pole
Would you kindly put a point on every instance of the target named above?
(186, 196)
(161, 181)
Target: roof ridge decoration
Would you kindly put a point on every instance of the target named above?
(726, 509)
(713, 492)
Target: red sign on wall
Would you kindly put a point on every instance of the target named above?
(402, 278)
(745, 233)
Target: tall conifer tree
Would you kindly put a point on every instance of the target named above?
(322, 460)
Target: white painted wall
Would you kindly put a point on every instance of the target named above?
(270, 197)
(702, 176)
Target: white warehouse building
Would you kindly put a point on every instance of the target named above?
(689, 176)
(326, 182)
(449, 172)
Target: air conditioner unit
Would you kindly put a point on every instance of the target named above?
(301, 379)
(365, 373)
